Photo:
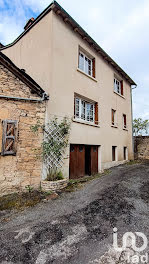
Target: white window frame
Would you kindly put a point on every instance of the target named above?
(85, 56)
(80, 110)
(116, 86)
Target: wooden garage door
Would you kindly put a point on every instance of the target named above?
(94, 159)
(77, 161)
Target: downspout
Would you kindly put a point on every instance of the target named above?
(132, 88)
(44, 97)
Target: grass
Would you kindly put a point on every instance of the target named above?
(76, 184)
(133, 162)
(22, 200)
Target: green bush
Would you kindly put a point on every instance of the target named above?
(60, 175)
(54, 175)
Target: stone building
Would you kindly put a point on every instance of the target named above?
(141, 147)
(22, 104)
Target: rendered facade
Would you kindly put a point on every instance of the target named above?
(83, 83)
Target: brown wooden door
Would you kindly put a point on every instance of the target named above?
(77, 161)
(94, 160)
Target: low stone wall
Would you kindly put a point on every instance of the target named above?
(108, 165)
(141, 147)
(54, 185)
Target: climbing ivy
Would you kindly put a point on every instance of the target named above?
(56, 136)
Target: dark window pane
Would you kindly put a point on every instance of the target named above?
(71, 148)
(81, 148)
(94, 149)
(113, 153)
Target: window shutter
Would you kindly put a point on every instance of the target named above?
(112, 116)
(122, 90)
(93, 63)
(74, 107)
(9, 140)
(96, 113)
(125, 121)
(124, 118)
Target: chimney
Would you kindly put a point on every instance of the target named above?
(29, 23)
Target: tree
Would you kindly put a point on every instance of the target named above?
(140, 126)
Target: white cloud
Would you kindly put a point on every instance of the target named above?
(36, 5)
(95, 14)
(2, 4)
(12, 30)
(13, 19)
(131, 25)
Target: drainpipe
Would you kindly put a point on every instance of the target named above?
(132, 88)
(44, 97)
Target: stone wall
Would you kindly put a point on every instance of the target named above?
(54, 185)
(141, 147)
(24, 168)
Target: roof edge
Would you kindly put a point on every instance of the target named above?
(77, 28)
(95, 45)
(24, 77)
(38, 18)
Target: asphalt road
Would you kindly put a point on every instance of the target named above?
(77, 228)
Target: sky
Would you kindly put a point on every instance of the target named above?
(120, 27)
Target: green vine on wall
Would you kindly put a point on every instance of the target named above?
(56, 136)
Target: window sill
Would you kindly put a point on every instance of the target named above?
(92, 78)
(126, 129)
(119, 95)
(85, 122)
(115, 126)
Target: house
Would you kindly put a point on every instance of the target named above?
(84, 83)
(22, 104)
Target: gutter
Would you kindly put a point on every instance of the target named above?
(132, 88)
(44, 98)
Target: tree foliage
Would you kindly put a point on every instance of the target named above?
(140, 126)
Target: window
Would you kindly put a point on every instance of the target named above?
(86, 64)
(94, 148)
(81, 148)
(124, 121)
(86, 111)
(71, 148)
(125, 153)
(114, 158)
(9, 137)
(118, 86)
(113, 114)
